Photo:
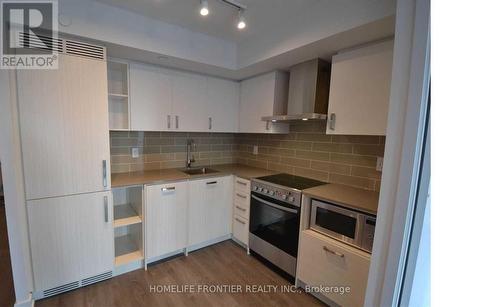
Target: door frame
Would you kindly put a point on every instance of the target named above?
(403, 152)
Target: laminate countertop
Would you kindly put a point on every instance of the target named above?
(363, 200)
(168, 175)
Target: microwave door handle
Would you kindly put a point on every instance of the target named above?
(274, 205)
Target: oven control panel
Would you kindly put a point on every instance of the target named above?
(289, 196)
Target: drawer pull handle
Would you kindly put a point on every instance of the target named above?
(242, 196)
(168, 189)
(212, 182)
(240, 208)
(237, 219)
(326, 249)
(242, 183)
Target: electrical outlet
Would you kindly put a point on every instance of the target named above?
(256, 150)
(380, 164)
(135, 152)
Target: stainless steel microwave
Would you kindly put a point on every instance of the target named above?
(347, 225)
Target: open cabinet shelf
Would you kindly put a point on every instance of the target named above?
(125, 215)
(118, 101)
(126, 250)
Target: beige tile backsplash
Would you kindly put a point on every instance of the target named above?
(306, 151)
(159, 150)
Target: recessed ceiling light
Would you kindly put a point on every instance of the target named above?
(305, 119)
(241, 20)
(204, 8)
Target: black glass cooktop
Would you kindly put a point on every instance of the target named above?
(291, 181)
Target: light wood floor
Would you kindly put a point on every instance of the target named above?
(221, 264)
(7, 296)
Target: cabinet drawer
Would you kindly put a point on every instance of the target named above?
(241, 209)
(329, 263)
(241, 185)
(240, 229)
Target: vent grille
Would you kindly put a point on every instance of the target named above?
(85, 50)
(63, 46)
(40, 42)
(61, 289)
(97, 278)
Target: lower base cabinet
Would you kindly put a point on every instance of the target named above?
(210, 203)
(241, 210)
(325, 262)
(166, 216)
(71, 240)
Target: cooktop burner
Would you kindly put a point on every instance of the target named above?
(291, 181)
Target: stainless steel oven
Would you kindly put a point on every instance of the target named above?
(274, 231)
(350, 226)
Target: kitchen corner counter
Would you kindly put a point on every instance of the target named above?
(355, 198)
(164, 175)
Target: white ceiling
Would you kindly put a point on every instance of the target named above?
(261, 15)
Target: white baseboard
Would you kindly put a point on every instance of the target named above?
(29, 302)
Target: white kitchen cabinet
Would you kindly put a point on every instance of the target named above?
(64, 128)
(118, 99)
(190, 109)
(210, 203)
(71, 238)
(167, 218)
(359, 91)
(241, 210)
(326, 262)
(223, 105)
(151, 94)
(260, 96)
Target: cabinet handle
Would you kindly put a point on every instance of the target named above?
(242, 222)
(240, 208)
(209, 123)
(242, 196)
(105, 173)
(176, 121)
(168, 121)
(326, 249)
(168, 189)
(332, 121)
(106, 209)
(242, 183)
(212, 182)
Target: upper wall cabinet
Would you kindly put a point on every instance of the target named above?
(118, 102)
(262, 96)
(169, 100)
(359, 91)
(223, 105)
(151, 94)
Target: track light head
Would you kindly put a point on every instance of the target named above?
(204, 8)
(241, 20)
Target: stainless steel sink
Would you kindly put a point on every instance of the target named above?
(199, 171)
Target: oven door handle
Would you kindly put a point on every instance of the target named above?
(274, 205)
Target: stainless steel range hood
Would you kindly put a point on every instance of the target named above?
(308, 92)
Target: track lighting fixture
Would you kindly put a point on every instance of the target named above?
(204, 8)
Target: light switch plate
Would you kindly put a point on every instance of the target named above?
(256, 150)
(380, 164)
(135, 152)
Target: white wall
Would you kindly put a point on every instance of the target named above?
(15, 205)
(107, 23)
(321, 20)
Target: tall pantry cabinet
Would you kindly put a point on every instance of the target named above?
(63, 115)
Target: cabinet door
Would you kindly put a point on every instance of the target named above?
(209, 209)
(190, 111)
(359, 91)
(64, 128)
(150, 98)
(257, 98)
(223, 105)
(71, 238)
(166, 216)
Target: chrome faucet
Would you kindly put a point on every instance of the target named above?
(190, 156)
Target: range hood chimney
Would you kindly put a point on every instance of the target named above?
(308, 92)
